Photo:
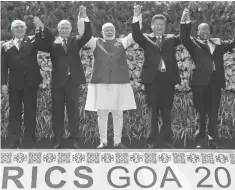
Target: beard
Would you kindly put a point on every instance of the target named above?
(109, 37)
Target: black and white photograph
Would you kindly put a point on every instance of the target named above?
(118, 82)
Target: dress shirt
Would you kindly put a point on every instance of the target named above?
(136, 19)
(212, 48)
(16, 42)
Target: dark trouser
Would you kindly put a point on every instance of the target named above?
(27, 96)
(159, 96)
(206, 100)
(65, 95)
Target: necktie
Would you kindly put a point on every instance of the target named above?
(161, 66)
(65, 45)
(19, 44)
(158, 40)
(206, 45)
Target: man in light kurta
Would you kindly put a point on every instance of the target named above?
(109, 89)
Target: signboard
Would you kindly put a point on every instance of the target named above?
(111, 169)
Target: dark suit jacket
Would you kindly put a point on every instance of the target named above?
(21, 66)
(61, 61)
(153, 53)
(203, 59)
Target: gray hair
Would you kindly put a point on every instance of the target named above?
(17, 22)
(63, 22)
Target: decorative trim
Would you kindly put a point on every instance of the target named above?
(67, 157)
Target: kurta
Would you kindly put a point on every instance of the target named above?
(110, 87)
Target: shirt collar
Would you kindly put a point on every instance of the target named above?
(18, 39)
(153, 36)
(62, 39)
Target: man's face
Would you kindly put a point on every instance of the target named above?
(108, 33)
(64, 30)
(19, 30)
(204, 31)
(158, 27)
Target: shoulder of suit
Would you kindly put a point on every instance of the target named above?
(216, 41)
(147, 35)
(99, 39)
(169, 35)
(192, 38)
(7, 45)
(76, 37)
(58, 40)
(31, 37)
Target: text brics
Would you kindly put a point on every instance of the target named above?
(168, 176)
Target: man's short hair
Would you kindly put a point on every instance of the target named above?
(17, 22)
(64, 22)
(200, 25)
(159, 16)
(108, 24)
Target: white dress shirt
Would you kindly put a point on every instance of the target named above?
(212, 48)
(16, 42)
(136, 19)
(211, 45)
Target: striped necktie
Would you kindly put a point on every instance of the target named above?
(19, 44)
(65, 45)
(207, 47)
(159, 39)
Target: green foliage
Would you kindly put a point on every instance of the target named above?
(120, 13)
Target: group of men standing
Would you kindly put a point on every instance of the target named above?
(109, 89)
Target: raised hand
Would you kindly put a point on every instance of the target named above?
(185, 16)
(82, 12)
(137, 10)
(38, 23)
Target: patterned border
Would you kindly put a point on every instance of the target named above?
(116, 157)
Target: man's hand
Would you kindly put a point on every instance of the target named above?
(38, 23)
(137, 10)
(4, 90)
(185, 16)
(82, 12)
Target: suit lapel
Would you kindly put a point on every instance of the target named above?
(159, 44)
(152, 39)
(59, 44)
(13, 47)
(69, 41)
(213, 47)
(24, 41)
(201, 45)
(163, 40)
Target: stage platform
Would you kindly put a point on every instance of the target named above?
(108, 169)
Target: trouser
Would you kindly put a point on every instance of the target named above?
(159, 96)
(206, 101)
(117, 125)
(66, 95)
(27, 96)
(165, 133)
